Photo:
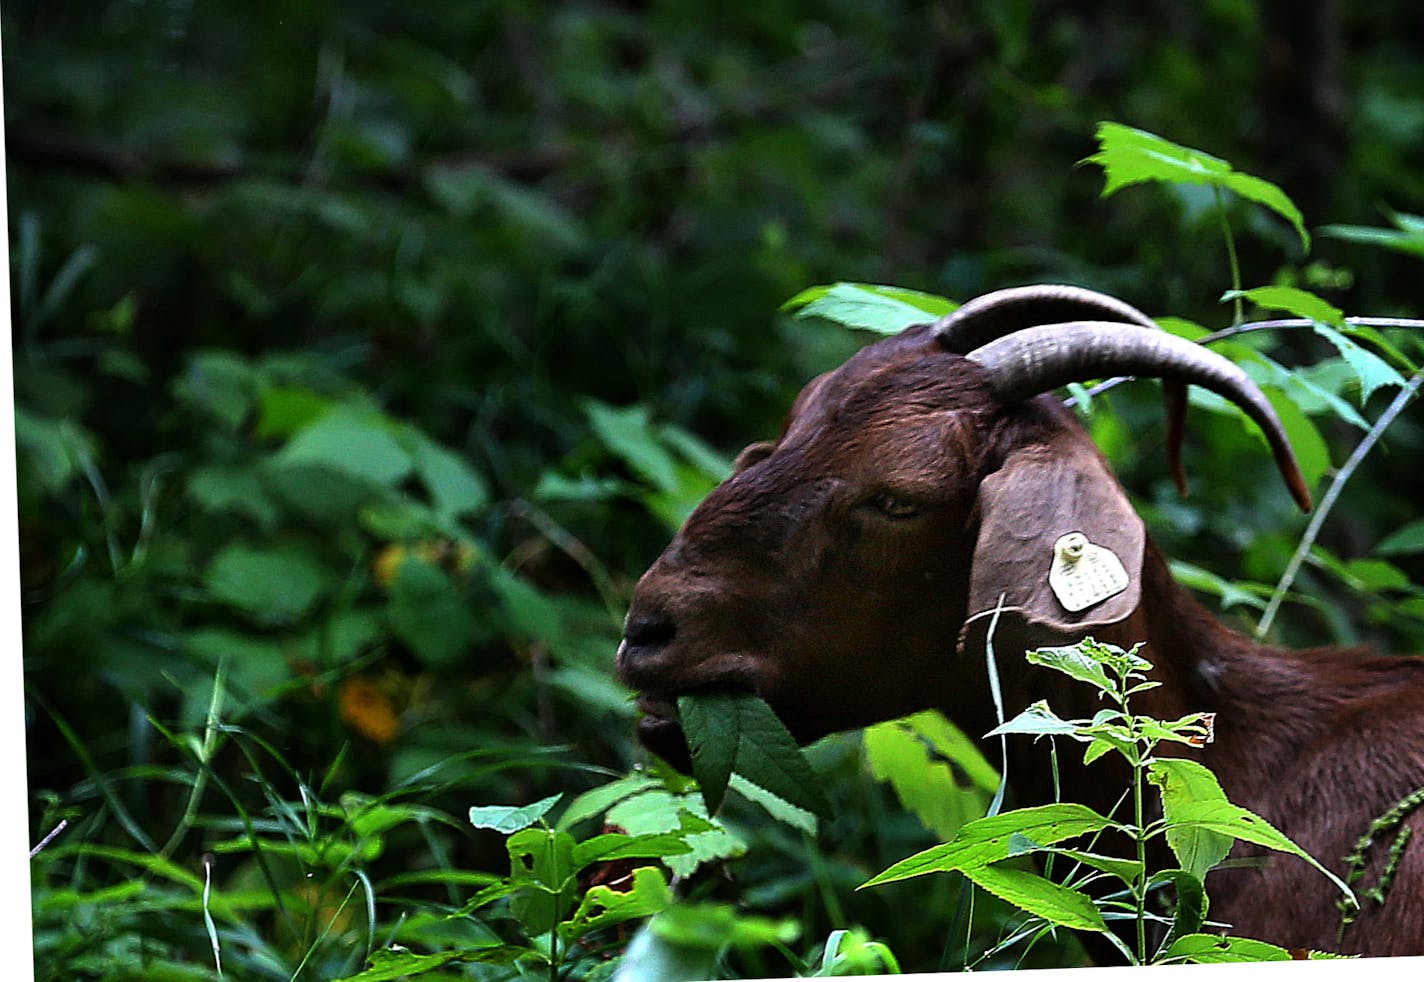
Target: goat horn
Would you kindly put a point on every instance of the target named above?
(994, 315)
(983, 319)
(1038, 359)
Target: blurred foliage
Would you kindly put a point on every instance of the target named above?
(359, 351)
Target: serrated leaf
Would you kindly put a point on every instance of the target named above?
(654, 845)
(1226, 819)
(661, 811)
(1183, 783)
(598, 800)
(739, 732)
(511, 818)
(1208, 949)
(936, 771)
(1132, 156)
(1039, 896)
(1372, 371)
(777, 807)
(986, 840)
(541, 861)
(1293, 300)
(868, 306)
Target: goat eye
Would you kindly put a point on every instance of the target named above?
(894, 506)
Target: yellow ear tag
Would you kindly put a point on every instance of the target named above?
(1083, 574)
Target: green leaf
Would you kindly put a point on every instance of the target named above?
(1039, 896)
(600, 799)
(541, 862)
(1183, 783)
(603, 906)
(655, 845)
(511, 818)
(1301, 303)
(1407, 236)
(455, 488)
(1191, 903)
(776, 806)
(1208, 949)
(1226, 819)
(271, 585)
(987, 840)
(629, 434)
(739, 732)
(1407, 540)
(428, 613)
(936, 771)
(1132, 156)
(869, 307)
(661, 811)
(1038, 720)
(1372, 371)
(358, 443)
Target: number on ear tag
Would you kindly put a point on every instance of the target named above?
(1083, 574)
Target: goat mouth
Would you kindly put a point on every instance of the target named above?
(661, 733)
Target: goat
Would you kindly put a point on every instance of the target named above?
(845, 571)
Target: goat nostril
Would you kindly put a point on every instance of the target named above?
(648, 631)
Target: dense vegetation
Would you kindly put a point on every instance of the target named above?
(366, 353)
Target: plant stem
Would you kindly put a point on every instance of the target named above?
(1312, 530)
(1238, 312)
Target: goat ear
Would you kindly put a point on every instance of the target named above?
(1040, 495)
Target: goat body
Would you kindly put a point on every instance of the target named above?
(844, 570)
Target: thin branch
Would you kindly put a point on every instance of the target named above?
(1317, 520)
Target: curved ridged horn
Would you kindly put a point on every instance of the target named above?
(1002, 312)
(997, 314)
(1038, 359)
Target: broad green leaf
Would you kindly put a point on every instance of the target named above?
(1038, 720)
(936, 771)
(869, 307)
(600, 799)
(511, 818)
(652, 845)
(454, 487)
(629, 434)
(1183, 783)
(987, 840)
(661, 811)
(428, 613)
(390, 964)
(1208, 949)
(1374, 575)
(1039, 896)
(541, 861)
(739, 732)
(721, 926)
(1301, 303)
(603, 906)
(1407, 540)
(1227, 819)
(282, 410)
(1372, 371)
(1312, 453)
(1132, 156)
(271, 585)
(358, 443)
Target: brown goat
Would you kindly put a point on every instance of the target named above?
(844, 571)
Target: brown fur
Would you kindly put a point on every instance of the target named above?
(791, 579)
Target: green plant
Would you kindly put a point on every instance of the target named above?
(1197, 822)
